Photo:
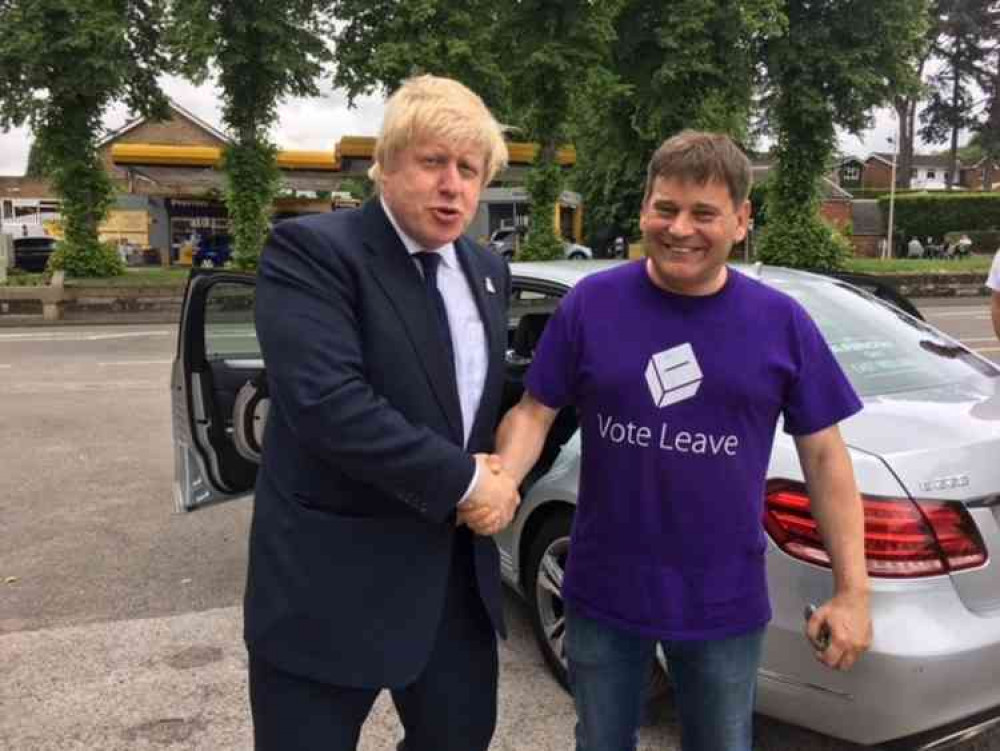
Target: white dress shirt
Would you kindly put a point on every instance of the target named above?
(467, 331)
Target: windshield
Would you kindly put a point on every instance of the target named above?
(882, 350)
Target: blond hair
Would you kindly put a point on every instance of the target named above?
(702, 157)
(434, 107)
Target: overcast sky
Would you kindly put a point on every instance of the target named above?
(316, 123)
(319, 123)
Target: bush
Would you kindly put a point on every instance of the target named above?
(935, 214)
(97, 260)
(803, 240)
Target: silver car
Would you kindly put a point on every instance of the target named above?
(926, 453)
(506, 241)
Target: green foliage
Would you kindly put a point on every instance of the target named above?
(62, 63)
(92, 260)
(359, 187)
(380, 43)
(966, 33)
(686, 64)
(36, 162)
(524, 59)
(262, 52)
(834, 63)
(252, 179)
(934, 214)
(802, 240)
(544, 184)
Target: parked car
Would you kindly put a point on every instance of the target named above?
(212, 251)
(506, 241)
(32, 253)
(924, 452)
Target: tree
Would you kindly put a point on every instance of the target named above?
(378, 44)
(830, 66)
(552, 46)
(62, 62)
(36, 162)
(262, 52)
(966, 35)
(907, 94)
(687, 64)
(522, 58)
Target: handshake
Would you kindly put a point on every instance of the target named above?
(491, 505)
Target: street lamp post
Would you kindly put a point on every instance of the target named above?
(892, 195)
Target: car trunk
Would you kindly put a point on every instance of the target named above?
(945, 446)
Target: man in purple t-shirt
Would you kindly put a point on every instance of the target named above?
(680, 370)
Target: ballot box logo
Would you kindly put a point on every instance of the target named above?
(673, 375)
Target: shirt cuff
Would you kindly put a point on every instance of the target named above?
(468, 490)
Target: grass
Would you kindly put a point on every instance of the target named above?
(18, 278)
(979, 264)
(148, 276)
(141, 276)
(156, 276)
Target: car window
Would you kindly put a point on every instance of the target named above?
(525, 300)
(882, 350)
(229, 325)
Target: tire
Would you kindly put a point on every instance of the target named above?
(577, 256)
(544, 571)
(543, 585)
(508, 255)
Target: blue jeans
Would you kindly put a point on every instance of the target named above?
(714, 686)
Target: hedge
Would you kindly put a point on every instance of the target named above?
(935, 215)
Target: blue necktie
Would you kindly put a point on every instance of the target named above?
(430, 261)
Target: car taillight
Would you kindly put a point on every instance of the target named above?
(903, 538)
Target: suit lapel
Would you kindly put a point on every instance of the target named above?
(484, 287)
(397, 274)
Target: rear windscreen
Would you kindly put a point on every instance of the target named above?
(882, 350)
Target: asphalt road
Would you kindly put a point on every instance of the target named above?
(119, 619)
(966, 319)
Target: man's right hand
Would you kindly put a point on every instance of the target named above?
(491, 505)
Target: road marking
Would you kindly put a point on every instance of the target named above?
(78, 337)
(6, 367)
(62, 388)
(135, 362)
(976, 313)
(986, 349)
(978, 339)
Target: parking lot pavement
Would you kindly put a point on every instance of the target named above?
(179, 682)
(120, 625)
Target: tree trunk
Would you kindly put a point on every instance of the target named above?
(953, 155)
(905, 110)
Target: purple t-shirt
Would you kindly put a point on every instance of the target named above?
(678, 399)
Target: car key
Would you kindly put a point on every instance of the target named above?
(823, 642)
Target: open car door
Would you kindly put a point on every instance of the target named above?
(217, 390)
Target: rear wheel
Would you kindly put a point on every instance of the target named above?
(545, 568)
(577, 256)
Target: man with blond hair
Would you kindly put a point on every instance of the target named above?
(668, 546)
(383, 331)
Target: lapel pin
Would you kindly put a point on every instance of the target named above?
(489, 286)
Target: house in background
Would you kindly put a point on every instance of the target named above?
(835, 202)
(927, 171)
(850, 172)
(981, 175)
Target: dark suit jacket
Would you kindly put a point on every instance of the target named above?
(353, 521)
